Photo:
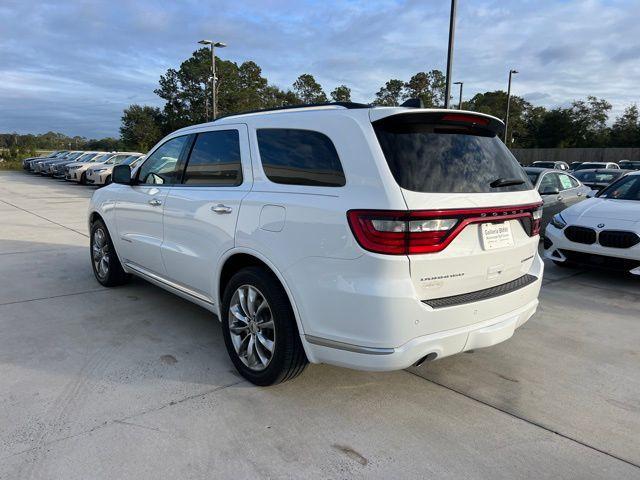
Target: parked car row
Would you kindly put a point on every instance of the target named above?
(575, 166)
(84, 167)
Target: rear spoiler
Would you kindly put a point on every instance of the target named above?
(459, 118)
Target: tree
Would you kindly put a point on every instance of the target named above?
(308, 90)
(555, 129)
(590, 122)
(141, 127)
(625, 131)
(341, 93)
(390, 94)
(427, 86)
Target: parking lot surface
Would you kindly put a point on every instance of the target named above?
(134, 382)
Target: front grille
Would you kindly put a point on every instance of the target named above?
(580, 235)
(484, 294)
(601, 261)
(618, 239)
(547, 243)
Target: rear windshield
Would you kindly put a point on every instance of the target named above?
(544, 164)
(445, 158)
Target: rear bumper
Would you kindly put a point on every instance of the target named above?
(442, 344)
(365, 314)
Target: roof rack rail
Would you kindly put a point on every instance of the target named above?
(348, 105)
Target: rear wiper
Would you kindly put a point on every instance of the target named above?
(506, 182)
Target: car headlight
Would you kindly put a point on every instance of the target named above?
(558, 222)
(100, 170)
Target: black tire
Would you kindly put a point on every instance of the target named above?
(107, 180)
(115, 275)
(83, 178)
(288, 359)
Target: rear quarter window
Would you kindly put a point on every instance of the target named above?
(299, 157)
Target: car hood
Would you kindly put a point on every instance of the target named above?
(601, 209)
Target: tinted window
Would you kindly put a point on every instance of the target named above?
(425, 157)
(574, 182)
(300, 157)
(215, 159)
(597, 177)
(544, 164)
(548, 183)
(160, 167)
(533, 177)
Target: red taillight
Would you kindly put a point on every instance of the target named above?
(428, 231)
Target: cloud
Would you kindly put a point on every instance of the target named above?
(74, 66)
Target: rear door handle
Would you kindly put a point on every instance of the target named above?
(221, 209)
(154, 202)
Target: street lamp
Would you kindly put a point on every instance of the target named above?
(506, 118)
(452, 31)
(213, 45)
(460, 99)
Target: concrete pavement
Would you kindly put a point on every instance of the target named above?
(134, 382)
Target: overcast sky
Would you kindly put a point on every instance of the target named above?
(72, 66)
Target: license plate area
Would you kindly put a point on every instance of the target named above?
(496, 235)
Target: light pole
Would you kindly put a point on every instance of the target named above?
(212, 44)
(506, 118)
(452, 32)
(460, 99)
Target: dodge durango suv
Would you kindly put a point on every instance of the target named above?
(373, 238)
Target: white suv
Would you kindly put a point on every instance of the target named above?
(371, 238)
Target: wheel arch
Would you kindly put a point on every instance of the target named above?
(237, 258)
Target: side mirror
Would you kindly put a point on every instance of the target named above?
(550, 191)
(122, 174)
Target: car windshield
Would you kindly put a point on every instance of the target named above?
(88, 157)
(626, 188)
(544, 164)
(115, 160)
(597, 177)
(588, 165)
(129, 160)
(73, 156)
(629, 165)
(427, 156)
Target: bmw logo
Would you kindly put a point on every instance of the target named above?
(600, 225)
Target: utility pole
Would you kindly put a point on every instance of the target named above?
(212, 44)
(452, 32)
(506, 118)
(460, 98)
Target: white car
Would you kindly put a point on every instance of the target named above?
(100, 174)
(76, 171)
(603, 231)
(367, 237)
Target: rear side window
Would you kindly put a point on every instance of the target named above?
(447, 158)
(215, 160)
(299, 157)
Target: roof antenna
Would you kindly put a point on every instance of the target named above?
(413, 103)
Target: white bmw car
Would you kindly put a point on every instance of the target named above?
(603, 231)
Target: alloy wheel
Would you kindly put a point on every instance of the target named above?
(251, 327)
(100, 253)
